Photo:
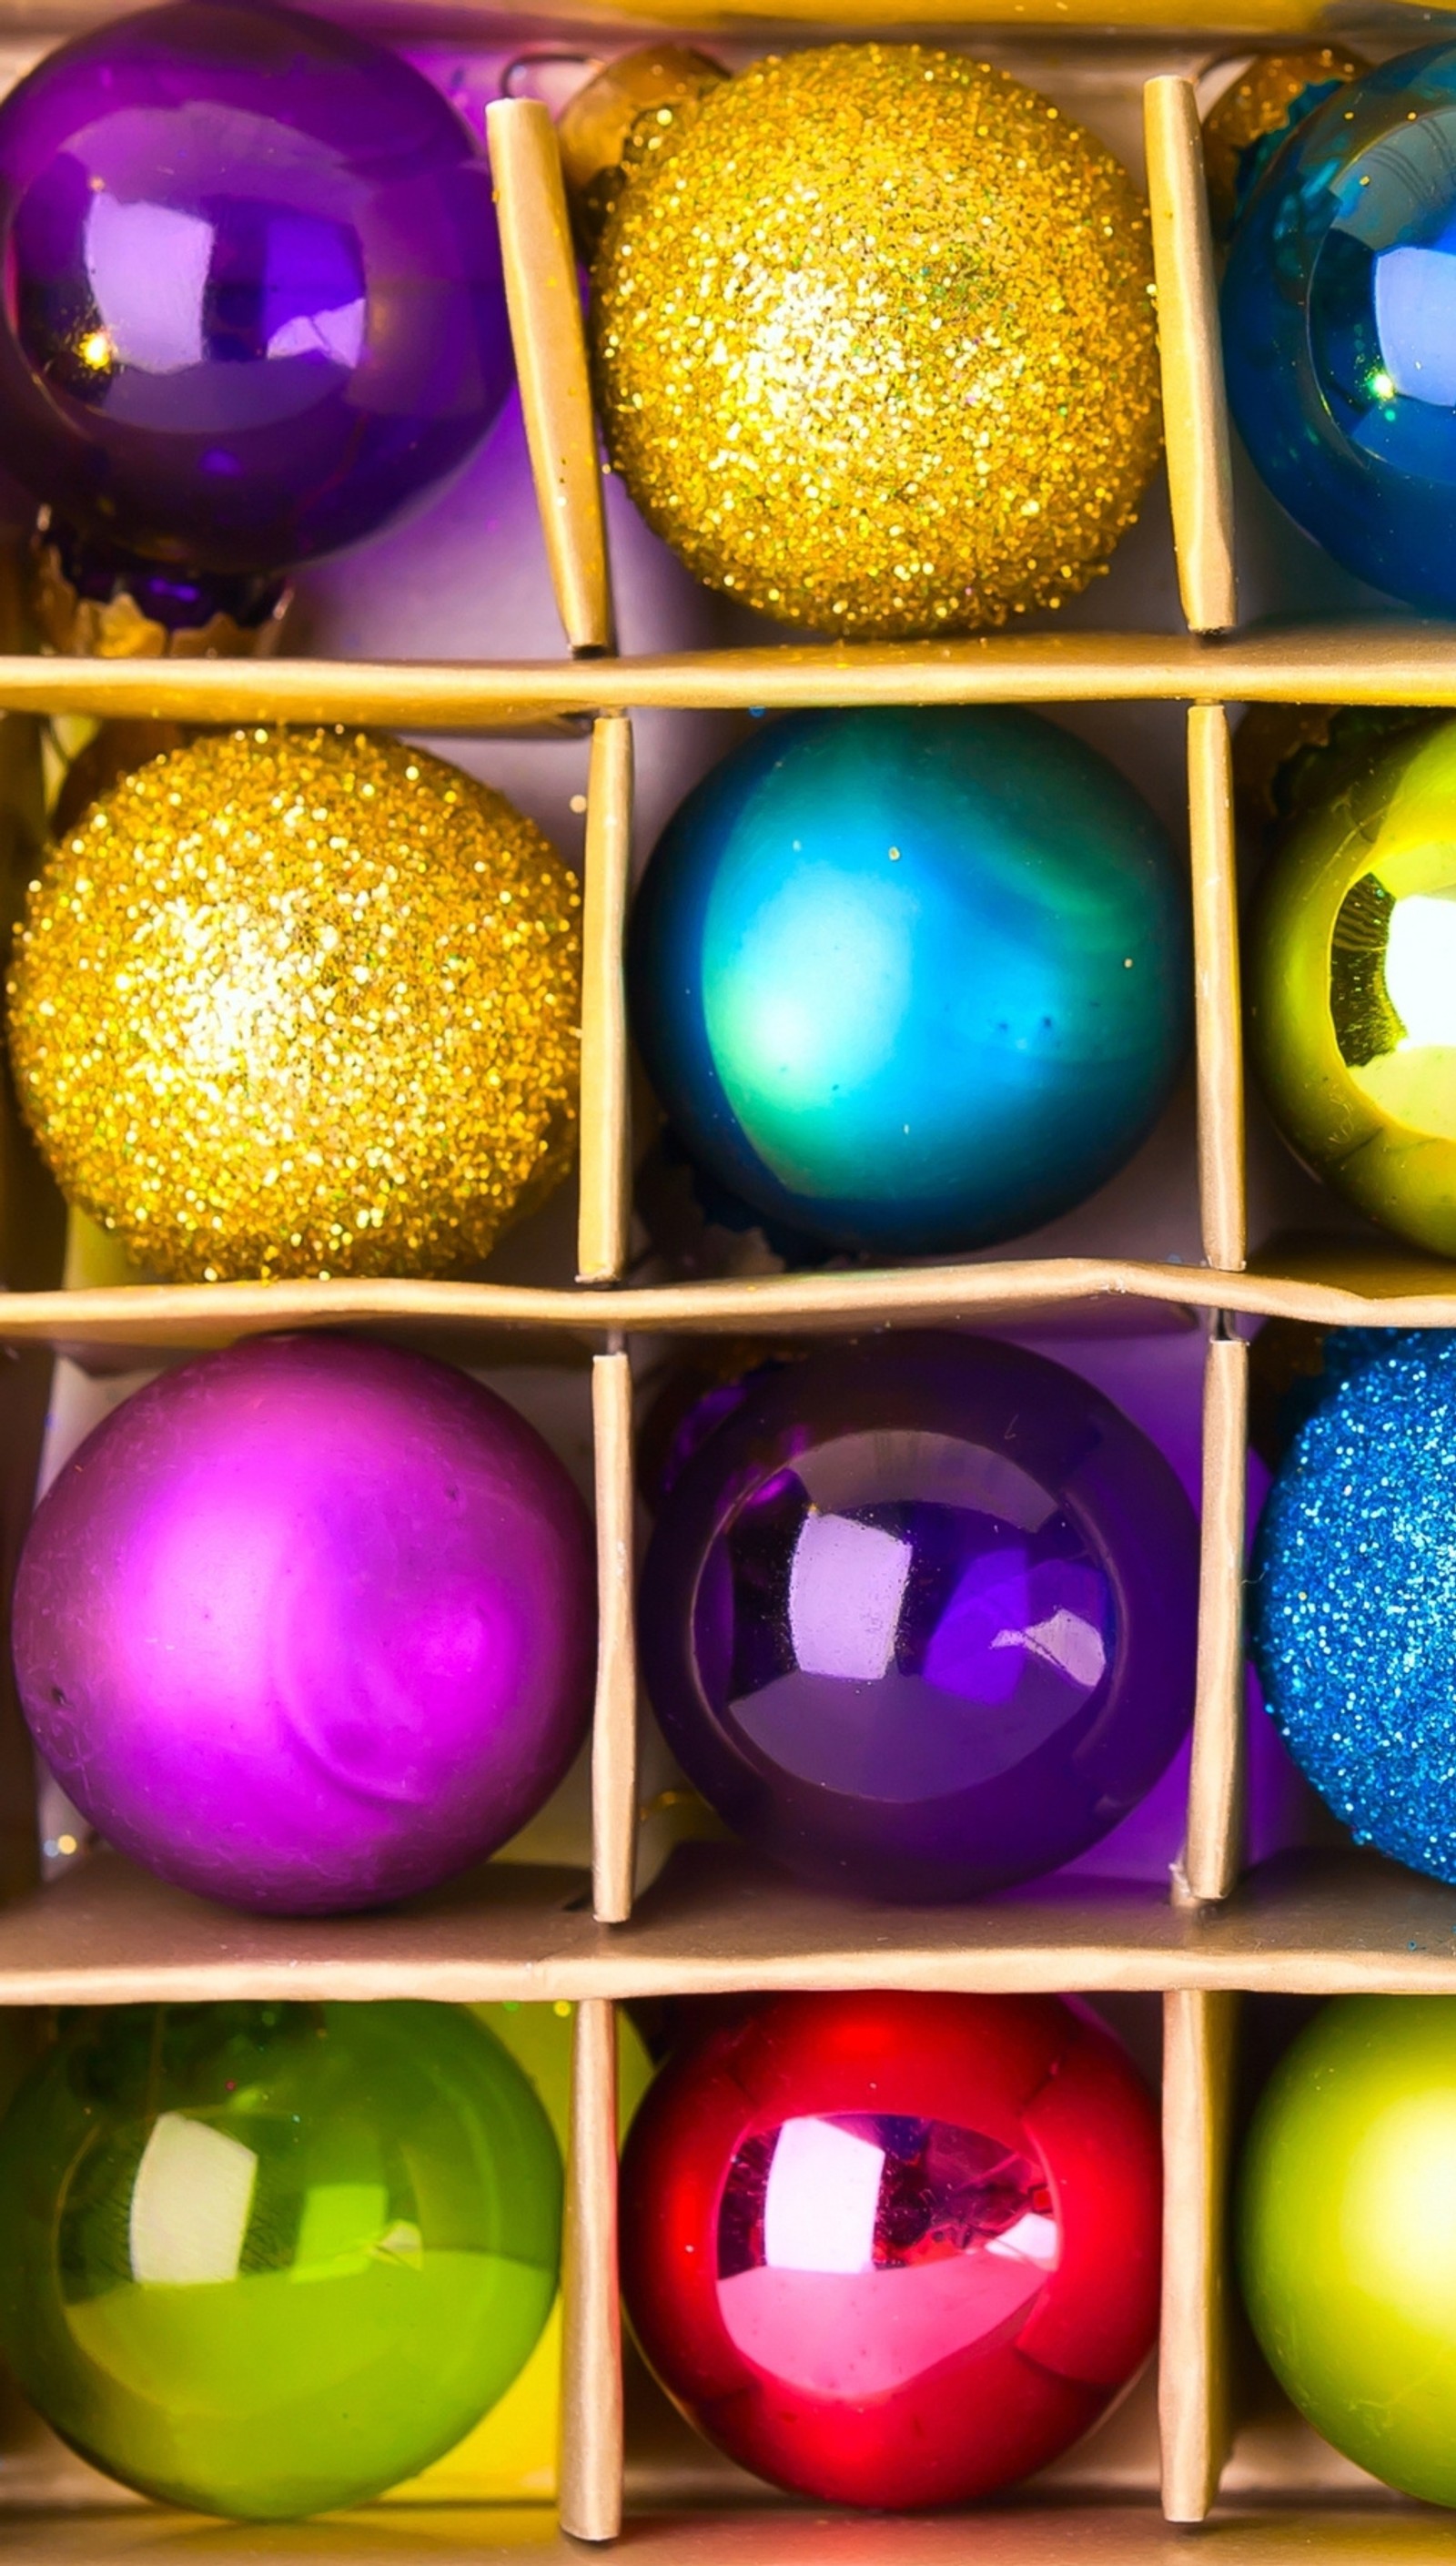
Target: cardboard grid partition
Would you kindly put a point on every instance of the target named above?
(107, 1934)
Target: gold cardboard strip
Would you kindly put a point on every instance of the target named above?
(1195, 415)
(1220, 1048)
(605, 1194)
(1198, 2041)
(615, 1725)
(1213, 1851)
(591, 2396)
(544, 300)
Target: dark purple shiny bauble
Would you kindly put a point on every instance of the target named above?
(253, 295)
(919, 1618)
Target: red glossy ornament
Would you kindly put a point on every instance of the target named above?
(894, 2250)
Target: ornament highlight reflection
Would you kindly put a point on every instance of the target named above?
(254, 304)
(858, 2250)
(264, 2260)
(912, 979)
(919, 1618)
(1353, 986)
(1340, 325)
(894, 2250)
(1346, 2244)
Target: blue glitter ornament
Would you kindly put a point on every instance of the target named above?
(1354, 1599)
(913, 980)
(1339, 326)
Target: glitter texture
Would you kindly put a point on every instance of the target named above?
(301, 1003)
(1354, 1596)
(874, 341)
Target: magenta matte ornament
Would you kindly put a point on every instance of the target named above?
(253, 298)
(308, 1624)
(919, 1616)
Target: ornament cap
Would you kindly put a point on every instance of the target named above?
(598, 129)
(93, 601)
(1245, 126)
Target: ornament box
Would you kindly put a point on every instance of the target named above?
(1153, 662)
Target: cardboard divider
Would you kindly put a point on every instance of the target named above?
(591, 2381)
(543, 301)
(615, 1722)
(1213, 1848)
(25, 1384)
(606, 1177)
(1193, 2352)
(1377, 662)
(1220, 1046)
(1329, 1283)
(1195, 415)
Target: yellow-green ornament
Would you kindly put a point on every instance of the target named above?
(291, 1003)
(874, 339)
(1353, 985)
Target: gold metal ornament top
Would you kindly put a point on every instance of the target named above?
(875, 343)
(1353, 986)
(618, 119)
(1259, 103)
(115, 627)
(291, 1003)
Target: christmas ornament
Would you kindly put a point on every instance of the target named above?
(1339, 359)
(265, 2259)
(912, 979)
(918, 1617)
(308, 1624)
(874, 341)
(1354, 1624)
(1258, 110)
(300, 1002)
(1352, 984)
(894, 2250)
(1348, 2260)
(254, 298)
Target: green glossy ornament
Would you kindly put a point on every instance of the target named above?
(1347, 2233)
(1353, 986)
(265, 2260)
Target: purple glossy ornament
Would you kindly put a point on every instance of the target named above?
(919, 1617)
(308, 1624)
(253, 301)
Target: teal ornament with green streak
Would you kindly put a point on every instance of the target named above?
(913, 980)
(267, 2259)
(1347, 2234)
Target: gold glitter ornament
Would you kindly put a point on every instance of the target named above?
(874, 341)
(299, 1003)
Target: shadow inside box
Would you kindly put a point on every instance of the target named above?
(138, 2530)
(1032, 2530)
(711, 1888)
(1345, 1902)
(1310, 1921)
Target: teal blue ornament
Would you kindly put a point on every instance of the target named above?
(915, 980)
(1337, 337)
